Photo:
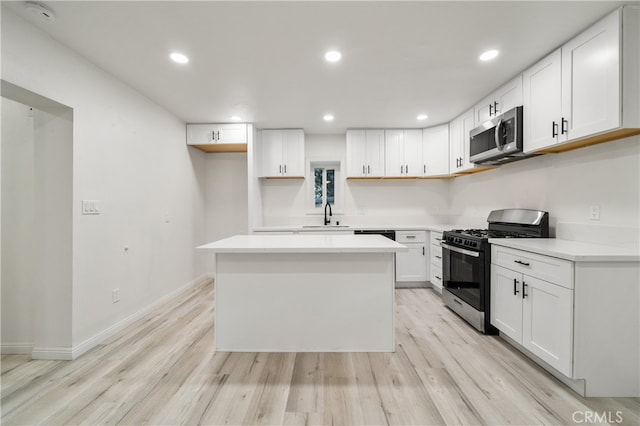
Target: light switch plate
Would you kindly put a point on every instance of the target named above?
(594, 212)
(90, 207)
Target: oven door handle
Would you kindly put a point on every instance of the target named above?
(460, 250)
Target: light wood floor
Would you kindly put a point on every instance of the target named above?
(163, 370)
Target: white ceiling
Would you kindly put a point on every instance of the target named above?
(264, 60)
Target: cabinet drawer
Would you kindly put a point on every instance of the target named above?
(546, 268)
(436, 275)
(436, 237)
(436, 255)
(411, 236)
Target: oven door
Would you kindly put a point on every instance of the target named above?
(464, 274)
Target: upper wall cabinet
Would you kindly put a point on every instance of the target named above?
(230, 137)
(459, 130)
(502, 100)
(542, 101)
(403, 153)
(596, 76)
(435, 151)
(365, 153)
(282, 153)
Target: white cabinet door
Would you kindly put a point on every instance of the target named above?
(203, 134)
(411, 266)
(356, 153)
(506, 301)
(435, 151)
(375, 153)
(393, 153)
(542, 103)
(548, 323)
(293, 152)
(282, 152)
(591, 79)
(412, 142)
(506, 97)
(365, 153)
(455, 145)
(466, 127)
(271, 142)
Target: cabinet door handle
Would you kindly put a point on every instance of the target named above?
(438, 239)
(280, 169)
(490, 113)
(368, 170)
(425, 168)
(406, 169)
(520, 262)
(401, 168)
(438, 257)
(554, 129)
(524, 288)
(562, 128)
(285, 169)
(515, 287)
(410, 237)
(438, 277)
(495, 108)
(423, 250)
(364, 172)
(213, 135)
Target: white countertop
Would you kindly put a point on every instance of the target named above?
(312, 228)
(314, 243)
(570, 250)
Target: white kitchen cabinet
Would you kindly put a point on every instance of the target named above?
(459, 130)
(586, 89)
(365, 153)
(436, 260)
(506, 97)
(403, 153)
(534, 312)
(435, 151)
(591, 79)
(542, 103)
(282, 152)
(411, 266)
(218, 137)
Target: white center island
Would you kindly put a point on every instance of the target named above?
(304, 293)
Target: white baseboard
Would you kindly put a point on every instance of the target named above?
(120, 325)
(16, 348)
(58, 353)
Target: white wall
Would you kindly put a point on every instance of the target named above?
(129, 154)
(18, 228)
(226, 197)
(368, 202)
(565, 185)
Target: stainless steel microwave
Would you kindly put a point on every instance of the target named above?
(498, 140)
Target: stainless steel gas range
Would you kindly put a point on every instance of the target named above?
(466, 261)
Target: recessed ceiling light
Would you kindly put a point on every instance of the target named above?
(179, 58)
(422, 117)
(489, 55)
(235, 118)
(333, 56)
(328, 117)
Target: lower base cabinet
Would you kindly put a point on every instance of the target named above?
(411, 266)
(436, 261)
(535, 313)
(577, 319)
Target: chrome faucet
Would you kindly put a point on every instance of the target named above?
(327, 221)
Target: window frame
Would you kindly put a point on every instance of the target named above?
(338, 186)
